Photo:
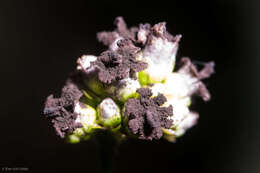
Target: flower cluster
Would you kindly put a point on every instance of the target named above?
(131, 88)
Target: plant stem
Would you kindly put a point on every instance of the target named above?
(108, 145)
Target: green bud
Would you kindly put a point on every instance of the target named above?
(86, 116)
(95, 86)
(108, 113)
(76, 136)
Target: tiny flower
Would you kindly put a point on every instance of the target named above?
(86, 116)
(178, 88)
(180, 108)
(159, 53)
(109, 113)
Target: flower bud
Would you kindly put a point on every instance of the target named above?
(109, 113)
(127, 89)
(124, 89)
(86, 116)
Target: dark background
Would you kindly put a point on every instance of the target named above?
(41, 40)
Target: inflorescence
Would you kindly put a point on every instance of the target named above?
(131, 88)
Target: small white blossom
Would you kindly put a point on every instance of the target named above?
(177, 89)
(160, 55)
(86, 115)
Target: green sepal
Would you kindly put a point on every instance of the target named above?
(145, 79)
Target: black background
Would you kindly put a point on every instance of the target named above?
(41, 40)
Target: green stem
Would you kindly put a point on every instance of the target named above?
(108, 145)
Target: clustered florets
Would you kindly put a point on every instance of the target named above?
(130, 88)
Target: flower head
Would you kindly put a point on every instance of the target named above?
(159, 52)
(131, 88)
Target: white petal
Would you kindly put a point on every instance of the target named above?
(85, 61)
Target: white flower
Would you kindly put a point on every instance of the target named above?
(178, 89)
(160, 55)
